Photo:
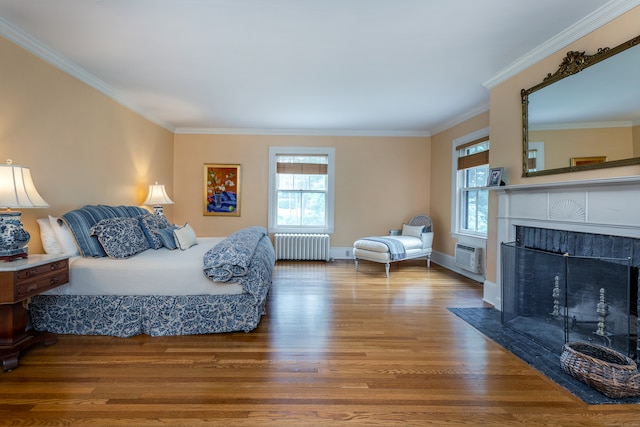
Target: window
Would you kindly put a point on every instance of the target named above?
(535, 156)
(472, 197)
(301, 184)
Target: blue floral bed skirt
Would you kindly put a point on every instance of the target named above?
(125, 316)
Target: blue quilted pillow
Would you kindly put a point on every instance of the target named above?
(120, 237)
(151, 223)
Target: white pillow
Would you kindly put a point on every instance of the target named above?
(64, 237)
(412, 230)
(185, 237)
(49, 241)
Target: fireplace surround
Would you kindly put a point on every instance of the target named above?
(591, 218)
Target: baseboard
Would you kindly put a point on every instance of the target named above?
(491, 294)
(341, 252)
(448, 262)
(443, 260)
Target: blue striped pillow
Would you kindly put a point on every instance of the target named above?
(166, 237)
(81, 220)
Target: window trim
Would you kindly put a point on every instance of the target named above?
(274, 152)
(456, 230)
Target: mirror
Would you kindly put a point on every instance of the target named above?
(586, 115)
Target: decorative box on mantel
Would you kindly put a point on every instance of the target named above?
(602, 206)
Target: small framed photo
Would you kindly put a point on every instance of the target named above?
(221, 190)
(495, 177)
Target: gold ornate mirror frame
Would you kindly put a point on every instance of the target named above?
(573, 63)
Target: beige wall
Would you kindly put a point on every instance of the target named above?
(563, 144)
(82, 147)
(506, 125)
(86, 148)
(441, 165)
(380, 181)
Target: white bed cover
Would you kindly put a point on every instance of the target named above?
(152, 272)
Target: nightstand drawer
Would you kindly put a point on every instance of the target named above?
(24, 279)
(41, 283)
(40, 270)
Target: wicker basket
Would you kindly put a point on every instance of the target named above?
(611, 373)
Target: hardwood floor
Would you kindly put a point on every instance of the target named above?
(337, 347)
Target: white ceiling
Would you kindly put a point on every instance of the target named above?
(379, 67)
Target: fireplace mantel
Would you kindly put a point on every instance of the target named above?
(604, 182)
(604, 206)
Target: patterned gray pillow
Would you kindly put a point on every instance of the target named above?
(150, 224)
(120, 237)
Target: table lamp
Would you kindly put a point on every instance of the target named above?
(16, 191)
(157, 197)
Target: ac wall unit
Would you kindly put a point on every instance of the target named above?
(468, 258)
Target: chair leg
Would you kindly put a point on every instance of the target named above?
(356, 261)
(428, 261)
(386, 269)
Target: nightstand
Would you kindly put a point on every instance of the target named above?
(20, 280)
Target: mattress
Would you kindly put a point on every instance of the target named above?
(384, 256)
(409, 243)
(152, 272)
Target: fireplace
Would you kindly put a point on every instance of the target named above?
(597, 222)
(561, 286)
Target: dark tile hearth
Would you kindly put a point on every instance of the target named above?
(488, 322)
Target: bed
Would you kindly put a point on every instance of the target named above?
(413, 241)
(179, 285)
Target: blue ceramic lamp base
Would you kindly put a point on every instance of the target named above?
(13, 238)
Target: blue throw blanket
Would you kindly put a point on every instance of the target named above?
(396, 248)
(230, 258)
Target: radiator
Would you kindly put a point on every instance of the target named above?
(302, 247)
(468, 257)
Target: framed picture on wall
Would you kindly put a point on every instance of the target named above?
(579, 161)
(495, 177)
(221, 190)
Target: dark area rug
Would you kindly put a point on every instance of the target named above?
(487, 321)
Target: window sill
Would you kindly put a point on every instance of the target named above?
(301, 230)
(471, 239)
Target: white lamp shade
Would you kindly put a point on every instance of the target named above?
(17, 189)
(157, 196)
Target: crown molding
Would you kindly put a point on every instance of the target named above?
(589, 23)
(584, 125)
(49, 55)
(299, 132)
(459, 119)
